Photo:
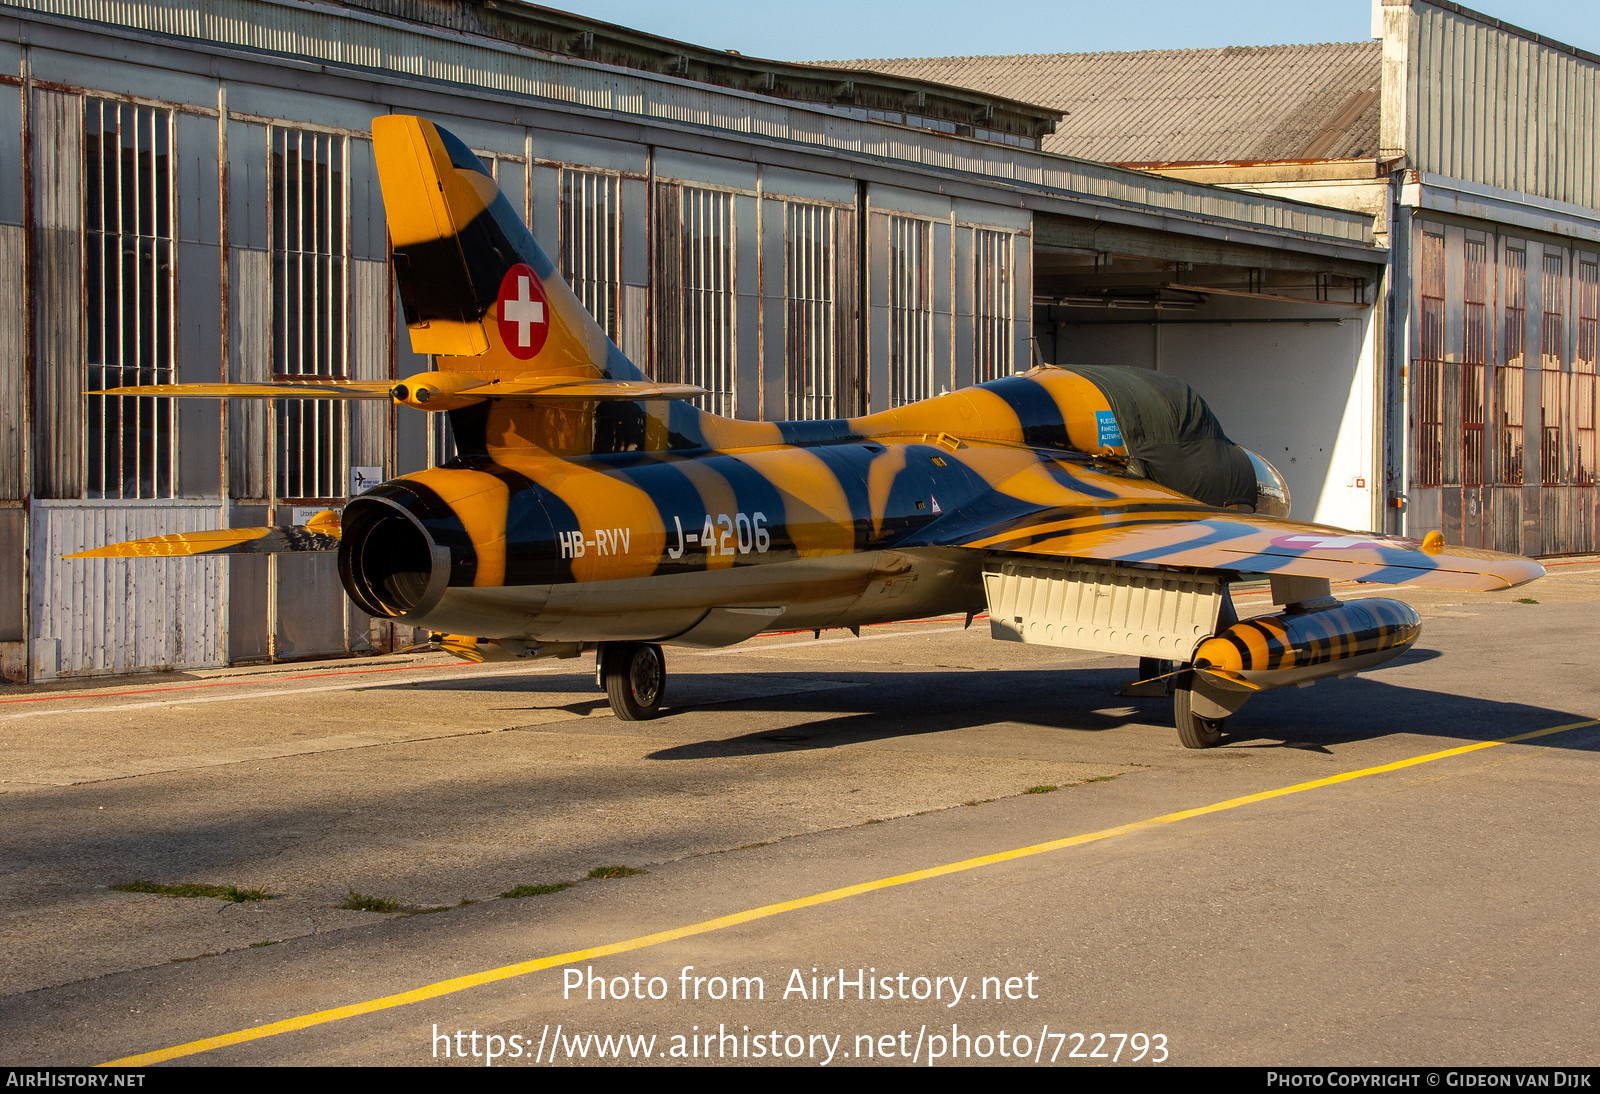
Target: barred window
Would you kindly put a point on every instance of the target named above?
(910, 311)
(694, 292)
(1474, 362)
(1552, 339)
(812, 320)
(992, 343)
(591, 244)
(1583, 372)
(309, 286)
(1428, 391)
(130, 442)
(1513, 369)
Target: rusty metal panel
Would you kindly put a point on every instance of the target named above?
(1022, 306)
(1532, 542)
(1450, 505)
(1506, 518)
(93, 616)
(411, 431)
(13, 583)
(11, 189)
(369, 359)
(199, 330)
(876, 388)
(369, 237)
(247, 593)
(311, 603)
(200, 353)
(57, 127)
(249, 191)
(849, 386)
(1424, 510)
(544, 199)
(250, 361)
(1555, 518)
(13, 361)
(1474, 517)
(197, 200)
(1584, 506)
(941, 261)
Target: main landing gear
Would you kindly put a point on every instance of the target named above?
(634, 675)
(1193, 730)
(1157, 678)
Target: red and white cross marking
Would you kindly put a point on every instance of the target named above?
(524, 312)
(1311, 541)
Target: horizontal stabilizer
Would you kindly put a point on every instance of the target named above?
(287, 389)
(556, 388)
(320, 533)
(426, 390)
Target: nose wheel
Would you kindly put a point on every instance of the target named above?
(634, 675)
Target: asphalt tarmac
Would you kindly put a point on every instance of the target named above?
(915, 846)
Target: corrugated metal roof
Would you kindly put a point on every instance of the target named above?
(1240, 104)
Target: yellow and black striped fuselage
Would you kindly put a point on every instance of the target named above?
(815, 524)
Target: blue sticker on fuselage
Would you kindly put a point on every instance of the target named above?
(1110, 435)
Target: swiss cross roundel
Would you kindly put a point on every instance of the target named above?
(524, 312)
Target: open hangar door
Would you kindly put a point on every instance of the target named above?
(1283, 345)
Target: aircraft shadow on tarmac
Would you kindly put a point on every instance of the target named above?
(477, 786)
(858, 707)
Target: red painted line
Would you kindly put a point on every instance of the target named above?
(265, 678)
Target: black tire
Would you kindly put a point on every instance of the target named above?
(1193, 730)
(635, 677)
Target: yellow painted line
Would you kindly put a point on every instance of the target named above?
(506, 972)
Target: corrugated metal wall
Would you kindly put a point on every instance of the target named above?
(1489, 106)
(355, 38)
(1508, 508)
(57, 124)
(89, 617)
(117, 615)
(13, 361)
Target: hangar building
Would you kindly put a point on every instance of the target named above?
(1472, 143)
(187, 193)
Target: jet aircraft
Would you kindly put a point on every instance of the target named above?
(593, 508)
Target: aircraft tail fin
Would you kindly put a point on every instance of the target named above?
(475, 285)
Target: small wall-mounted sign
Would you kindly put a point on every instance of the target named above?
(363, 479)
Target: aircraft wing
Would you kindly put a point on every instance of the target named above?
(1176, 531)
(320, 533)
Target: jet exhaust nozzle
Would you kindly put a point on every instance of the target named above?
(389, 564)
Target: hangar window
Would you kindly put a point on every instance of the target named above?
(128, 315)
(1474, 362)
(694, 292)
(991, 305)
(910, 311)
(591, 244)
(1552, 382)
(1429, 394)
(1513, 367)
(309, 283)
(811, 318)
(1583, 372)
